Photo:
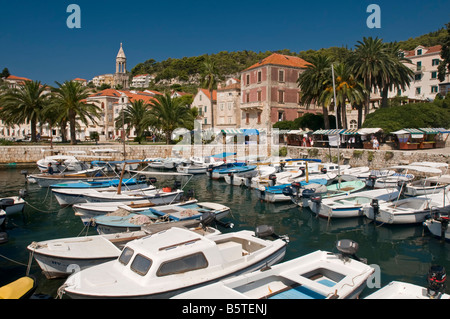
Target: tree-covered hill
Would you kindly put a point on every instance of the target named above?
(187, 70)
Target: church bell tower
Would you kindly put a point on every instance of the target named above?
(121, 76)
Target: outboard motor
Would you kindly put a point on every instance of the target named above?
(287, 191)
(23, 193)
(371, 181)
(376, 208)
(176, 185)
(231, 177)
(24, 173)
(207, 218)
(5, 202)
(316, 199)
(303, 170)
(436, 281)
(308, 193)
(264, 231)
(209, 171)
(282, 165)
(348, 249)
(324, 170)
(152, 180)
(273, 179)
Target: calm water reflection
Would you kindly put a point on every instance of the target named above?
(403, 253)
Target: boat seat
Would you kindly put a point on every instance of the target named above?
(230, 250)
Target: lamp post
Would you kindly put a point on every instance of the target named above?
(337, 127)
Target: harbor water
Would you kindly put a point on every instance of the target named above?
(402, 252)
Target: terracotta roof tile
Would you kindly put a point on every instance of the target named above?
(280, 59)
(206, 92)
(13, 77)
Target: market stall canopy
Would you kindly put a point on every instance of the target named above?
(329, 132)
(235, 131)
(369, 131)
(442, 130)
(251, 131)
(350, 132)
(415, 133)
(429, 130)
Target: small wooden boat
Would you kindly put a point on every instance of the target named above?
(58, 258)
(123, 221)
(12, 205)
(274, 194)
(47, 180)
(411, 210)
(174, 261)
(347, 206)
(318, 275)
(437, 225)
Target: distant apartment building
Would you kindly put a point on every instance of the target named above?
(83, 82)
(202, 101)
(228, 114)
(270, 93)
(99, 80)
(14, 82)
(141, 81)
(425, 62)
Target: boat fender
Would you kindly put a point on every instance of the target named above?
(436, 281)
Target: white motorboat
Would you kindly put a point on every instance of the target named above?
(174, 261)
(436, 278)
(403, 177)
(12, 205)
(122, 221)
(318, 275)
(162, 196)
(191, 168)
(350, 205)
(61, 163)
(411, 210)
(88, 211)
(70, 196)
(47, 180)
(274, 194)
(246, 179)
(437, 225)
(60, 257)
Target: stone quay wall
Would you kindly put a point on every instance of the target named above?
(375, 159)
(29, 155)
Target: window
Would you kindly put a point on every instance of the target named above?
(183, 264)
(435, 62)
(141, 264)
(247, 82)
(418, 90)
(434, 75)
(419, 52)
(353, 124)
(419, 65)
(206, 109)
(280, 96)
(259, 96)
(434, 89)
(247, 97)
(259, 117)
(200, 97)
(247, 118)
(126, 255)
(230, 105)
(221, 106)
(280, 116)
(418, 77)
(281, 76)
(259, 76)
(200, 110)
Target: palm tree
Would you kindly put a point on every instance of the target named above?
(370, 63)
(312, 82)
(24, 105)
(210, 80)
(399, 75)
(136, 115)
(70, 98)
(169, 114)
(348, 91)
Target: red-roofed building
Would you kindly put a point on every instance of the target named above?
(202, 101)
(15, 81)
(82, 81)
(270, 93)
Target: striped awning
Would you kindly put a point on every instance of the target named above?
(442, 130)
(430, 130)
(329, 132)
(413, 131)
(350, 132)
(232, 131)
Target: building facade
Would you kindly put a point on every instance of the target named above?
(141, 81)
(228, 112)
(270, 93)
(202, 101)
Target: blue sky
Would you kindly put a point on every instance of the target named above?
(35, 41)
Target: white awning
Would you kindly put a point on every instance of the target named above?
(368, 131)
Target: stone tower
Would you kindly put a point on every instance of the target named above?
(121, 77)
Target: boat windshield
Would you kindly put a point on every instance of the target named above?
(126, 255)
(141, 264)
